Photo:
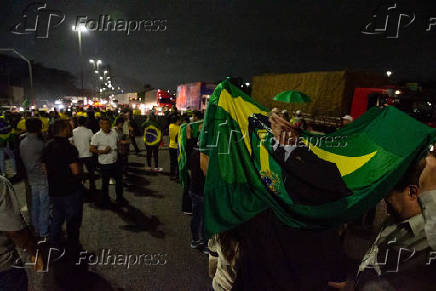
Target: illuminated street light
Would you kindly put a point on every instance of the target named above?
(101, 78)
(91, 61)
(388, 73)
(79, 29)
(105, 72)
(96, 71)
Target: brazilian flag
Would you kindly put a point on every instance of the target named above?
(152, 133)
(182, 157)
(347, 172)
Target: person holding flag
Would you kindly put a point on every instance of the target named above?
(152, 140)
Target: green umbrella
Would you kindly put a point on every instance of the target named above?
(292, 96)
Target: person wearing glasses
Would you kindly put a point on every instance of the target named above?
(401, 257)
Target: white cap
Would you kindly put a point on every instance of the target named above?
(347, 117)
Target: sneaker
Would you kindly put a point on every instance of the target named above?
(187, 213)
(195, 244)
(205, 250)
(158, 170)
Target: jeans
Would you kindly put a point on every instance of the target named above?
(70, 209)
(40, 209)
(197, 220)
(133, 142)
(153, 151)
(3, 151)
(13, 279)
(123, 162)
(174, 168)
(111, 171)
(90, 165)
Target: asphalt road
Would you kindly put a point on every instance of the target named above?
(150, 238)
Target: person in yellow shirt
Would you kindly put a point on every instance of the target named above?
(174, 129)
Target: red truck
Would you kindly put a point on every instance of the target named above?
(194, 96)
(158, 99)
(413, 103)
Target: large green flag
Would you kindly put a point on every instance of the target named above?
(182, 157)
(360, 162)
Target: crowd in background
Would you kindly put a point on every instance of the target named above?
(51, 150)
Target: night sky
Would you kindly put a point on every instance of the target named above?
(209, 40)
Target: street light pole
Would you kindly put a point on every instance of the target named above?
(29, 67)
(79, 30)
(79, 36)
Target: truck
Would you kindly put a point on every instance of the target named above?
(194, 96)
(158, 98)
(418, 104)
(331, 92)
(124, 99)
(336, 93)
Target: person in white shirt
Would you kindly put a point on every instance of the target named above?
(105, 144)
(82, 140)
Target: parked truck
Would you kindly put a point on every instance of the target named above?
(158, 99)
(331, 92)
(336, 93)
(194, 96)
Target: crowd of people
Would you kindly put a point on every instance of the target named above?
(51, 151)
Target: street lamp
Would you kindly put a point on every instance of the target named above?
(388, 73)
(79, 29)
(29, 67)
